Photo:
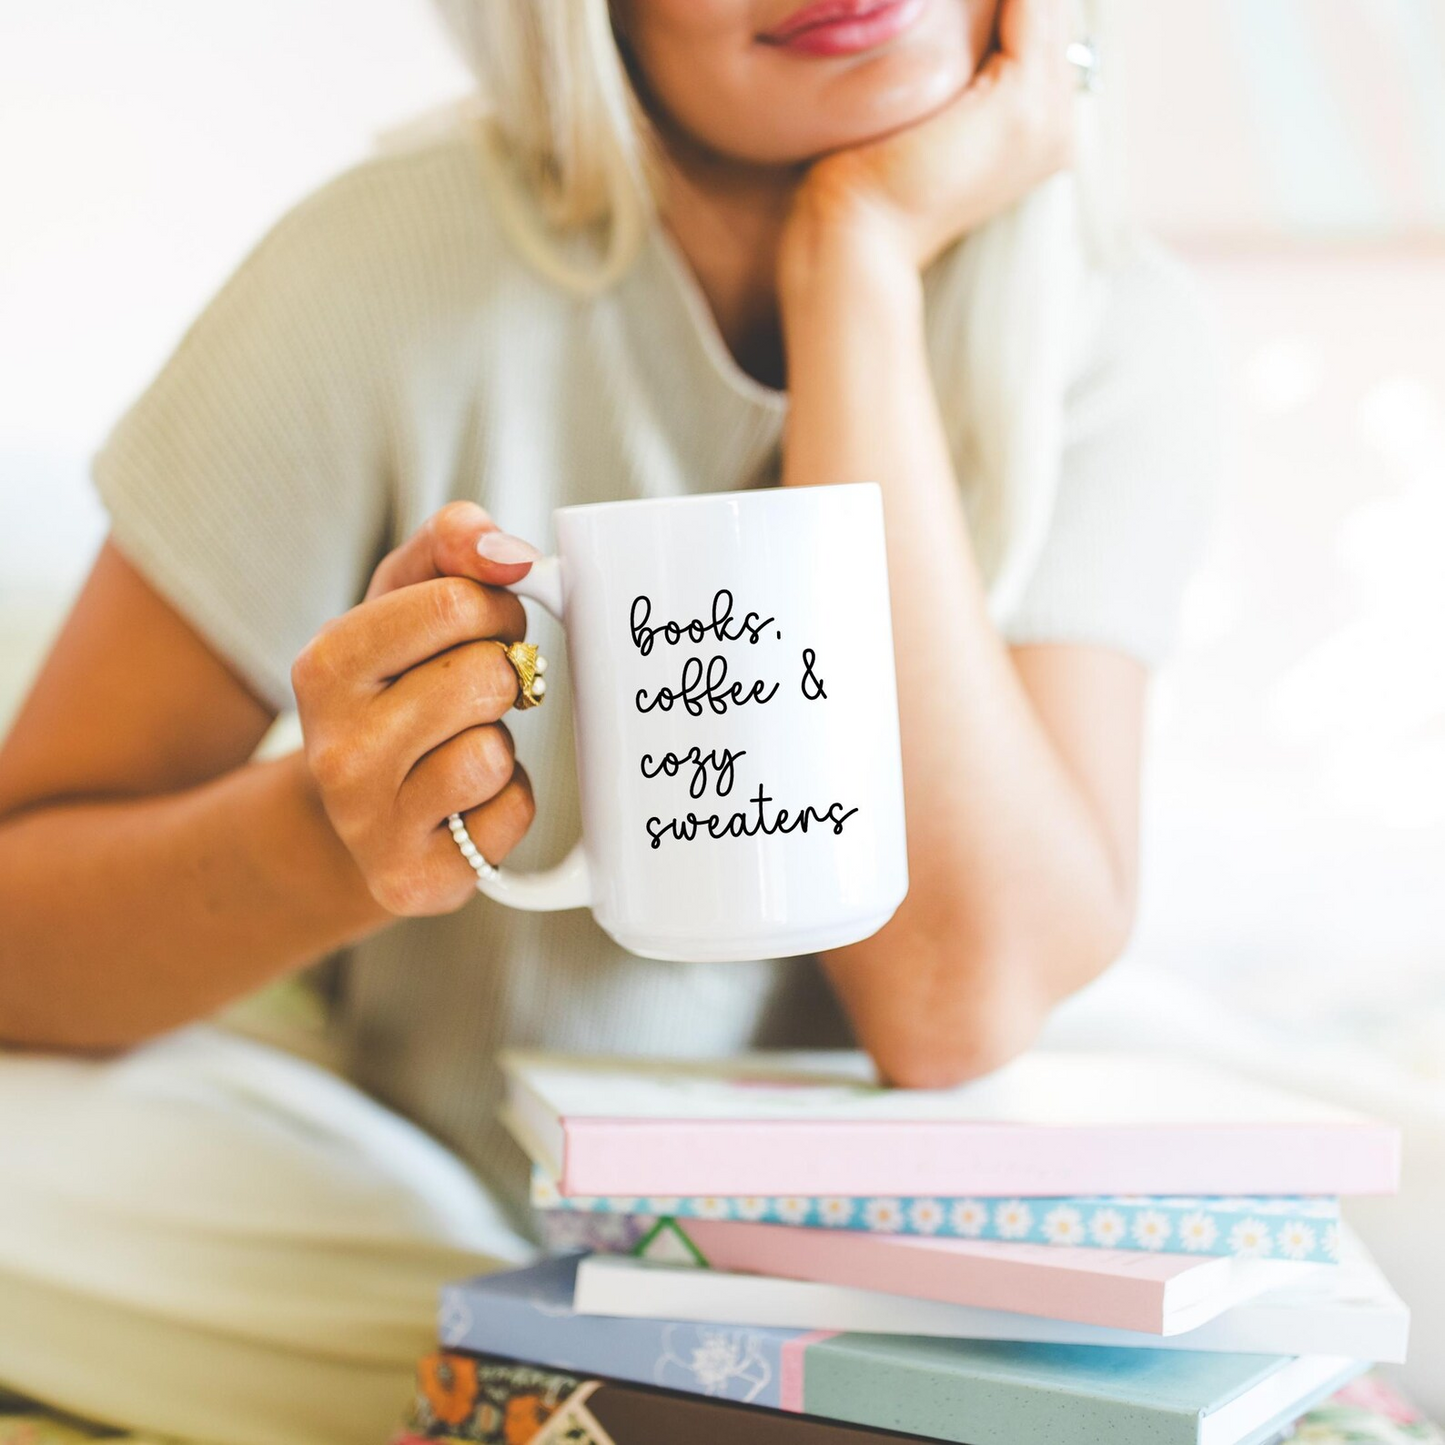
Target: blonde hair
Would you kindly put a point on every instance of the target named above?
(567, 146)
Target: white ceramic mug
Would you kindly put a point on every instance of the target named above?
(736, 722)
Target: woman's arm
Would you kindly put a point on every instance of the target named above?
(147, 873)
(1021, 770)
(150, 873)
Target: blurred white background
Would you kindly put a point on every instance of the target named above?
(145, 146)
(1294, 150)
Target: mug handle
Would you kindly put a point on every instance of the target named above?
(567, 884)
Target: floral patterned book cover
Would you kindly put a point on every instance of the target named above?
(486, 1401)
(1302, 1228)
(500, 1402)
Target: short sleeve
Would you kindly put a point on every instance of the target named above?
(1143, 444)
(248, 483)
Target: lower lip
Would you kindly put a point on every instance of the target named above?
(857, 32)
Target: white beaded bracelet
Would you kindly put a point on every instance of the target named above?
(469, 850)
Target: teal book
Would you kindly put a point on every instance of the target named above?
(989, 1392)
(971, 1392)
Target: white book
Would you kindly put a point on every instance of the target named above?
(1347, 1309)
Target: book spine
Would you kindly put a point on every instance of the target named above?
(728, 1157)
(1252, 1328)
(792, 1384)
(634, 1416)
(926, 1397)
(1252, 1227)
(465, 1397)
(910, 1388)
(1027, 1279)
(728, 1362)
(851, 1378)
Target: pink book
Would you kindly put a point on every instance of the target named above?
(1155, 1294)
(1047, 1124)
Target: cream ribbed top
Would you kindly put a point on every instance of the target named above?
(383, 351)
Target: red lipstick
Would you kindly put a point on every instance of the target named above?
(843, 27)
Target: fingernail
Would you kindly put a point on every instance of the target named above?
(503, 547)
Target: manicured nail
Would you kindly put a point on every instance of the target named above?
(503, 547)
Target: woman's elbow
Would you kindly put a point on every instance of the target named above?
(1000, 1013)
(944, 1065)
(932, 1054)
(82, 1032)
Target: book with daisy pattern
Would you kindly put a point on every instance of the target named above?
(1251, 1227)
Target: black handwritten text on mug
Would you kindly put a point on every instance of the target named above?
(705, 687)
(812, 683)
(721, 626)
(747, 825)
(720, 761)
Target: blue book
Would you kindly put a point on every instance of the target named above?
(975, 1392)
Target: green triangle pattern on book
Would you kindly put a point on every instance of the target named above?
(667, 1242)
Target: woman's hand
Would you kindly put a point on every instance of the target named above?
(400, 702)
(907, 197)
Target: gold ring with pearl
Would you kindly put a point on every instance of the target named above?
(529, 665)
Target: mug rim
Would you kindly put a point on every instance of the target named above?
(755, 493)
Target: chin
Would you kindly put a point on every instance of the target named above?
(873, 94)
(887, 94)
(803, 109)
(866, 102)
(779, 108)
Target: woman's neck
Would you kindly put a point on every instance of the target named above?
(728, 219)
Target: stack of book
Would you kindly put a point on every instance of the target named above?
(1079, 1248)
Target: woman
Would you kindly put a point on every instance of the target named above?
(677, 210)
